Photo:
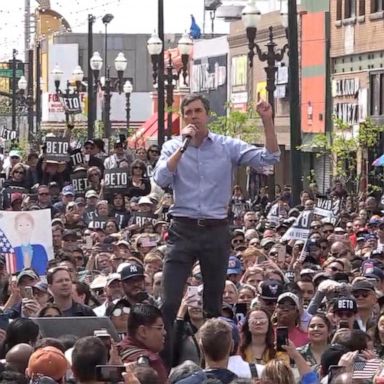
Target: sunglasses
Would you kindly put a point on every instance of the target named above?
(15, 157)
(334, 269)
(363, 294)
(288, 307)
(136, 167)
(273, 254)
(154, 151)
(43, 194)
(328, 231)
(120, 311)
(252, 220)
(236, 241)
(344, 315)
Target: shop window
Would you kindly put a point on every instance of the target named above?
(377, 94)
(339, 9)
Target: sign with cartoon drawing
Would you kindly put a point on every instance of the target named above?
(24, 242)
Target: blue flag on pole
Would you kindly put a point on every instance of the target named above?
(195, 30)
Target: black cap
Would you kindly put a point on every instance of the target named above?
(363, 285)
(70, 233)
(271, 289)
(345, 304)
(132, 270)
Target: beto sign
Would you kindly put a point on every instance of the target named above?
(56, 149)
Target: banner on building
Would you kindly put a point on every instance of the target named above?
(116, 180)
(71, 103)
(24, 242)
(56, 149)
(300, 228)
(79, 182)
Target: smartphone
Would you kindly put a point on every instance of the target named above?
(28, 292)
(110, 373)
(368, 268)
(343, 324)
(281, 338)
(88, 242)
(281, 253)
(193, 297)
(334, 371)
(4, 322)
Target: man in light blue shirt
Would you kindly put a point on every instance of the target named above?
(201, 178)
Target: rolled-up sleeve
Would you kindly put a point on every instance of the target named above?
(161, 174)
(243, 153)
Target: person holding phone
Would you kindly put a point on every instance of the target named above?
(288, 315)
(201, 177)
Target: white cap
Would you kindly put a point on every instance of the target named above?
(145, 200)
(291, 296)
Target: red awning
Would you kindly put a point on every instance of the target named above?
(149, 130)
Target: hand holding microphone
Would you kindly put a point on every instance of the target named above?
(187, 133)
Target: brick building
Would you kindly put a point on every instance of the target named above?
(357, 51)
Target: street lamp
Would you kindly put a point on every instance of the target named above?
(105, 84)
(77, 75)
(106, 20)
(27, 101)
(128, 88)
(251, 17)
(171, 77)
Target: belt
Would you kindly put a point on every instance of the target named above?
(201, 222)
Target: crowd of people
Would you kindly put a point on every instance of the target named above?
(292, 310)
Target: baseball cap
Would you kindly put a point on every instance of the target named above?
(48, 361)
(80, 201)
(271, 289)
(132, 270)
(376, 273)
(70, 233)
(26, 273)
(234, 266)
(68, 190)
(362, 285)
(89, 141)
(14, 153)
(345, 304)
(264, 242)
(41, 286)
(291, 296)
(113, 277)
(98, 282)
(145, 200)
(91, 193)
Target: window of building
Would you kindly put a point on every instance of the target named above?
(339, 9)
(349, 9)
(377, 94)
(361, 7)
(377, 5)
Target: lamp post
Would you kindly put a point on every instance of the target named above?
(77, 76)
(128, 88)
(106, 20)
(22, 85)
(155, 46)
(91, 93)
(251, 18)
(120, 66)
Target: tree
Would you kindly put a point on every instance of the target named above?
(347, 151)
(237, 124)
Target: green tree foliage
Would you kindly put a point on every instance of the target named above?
(342, 147)
(237, 124)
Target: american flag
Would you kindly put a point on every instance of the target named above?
(366, 369)
(8, 252)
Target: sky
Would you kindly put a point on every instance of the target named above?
(130, 16)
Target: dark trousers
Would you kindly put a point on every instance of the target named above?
(186, 244)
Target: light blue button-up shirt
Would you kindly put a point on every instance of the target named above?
(202, 183)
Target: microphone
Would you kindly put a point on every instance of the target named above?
(185, 144)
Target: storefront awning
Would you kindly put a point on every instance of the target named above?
(148, 131)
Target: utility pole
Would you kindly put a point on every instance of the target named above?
(294, 102)
(38, 87)
(30, 94)
(91, 93)
(14, 53)
(160, 78)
